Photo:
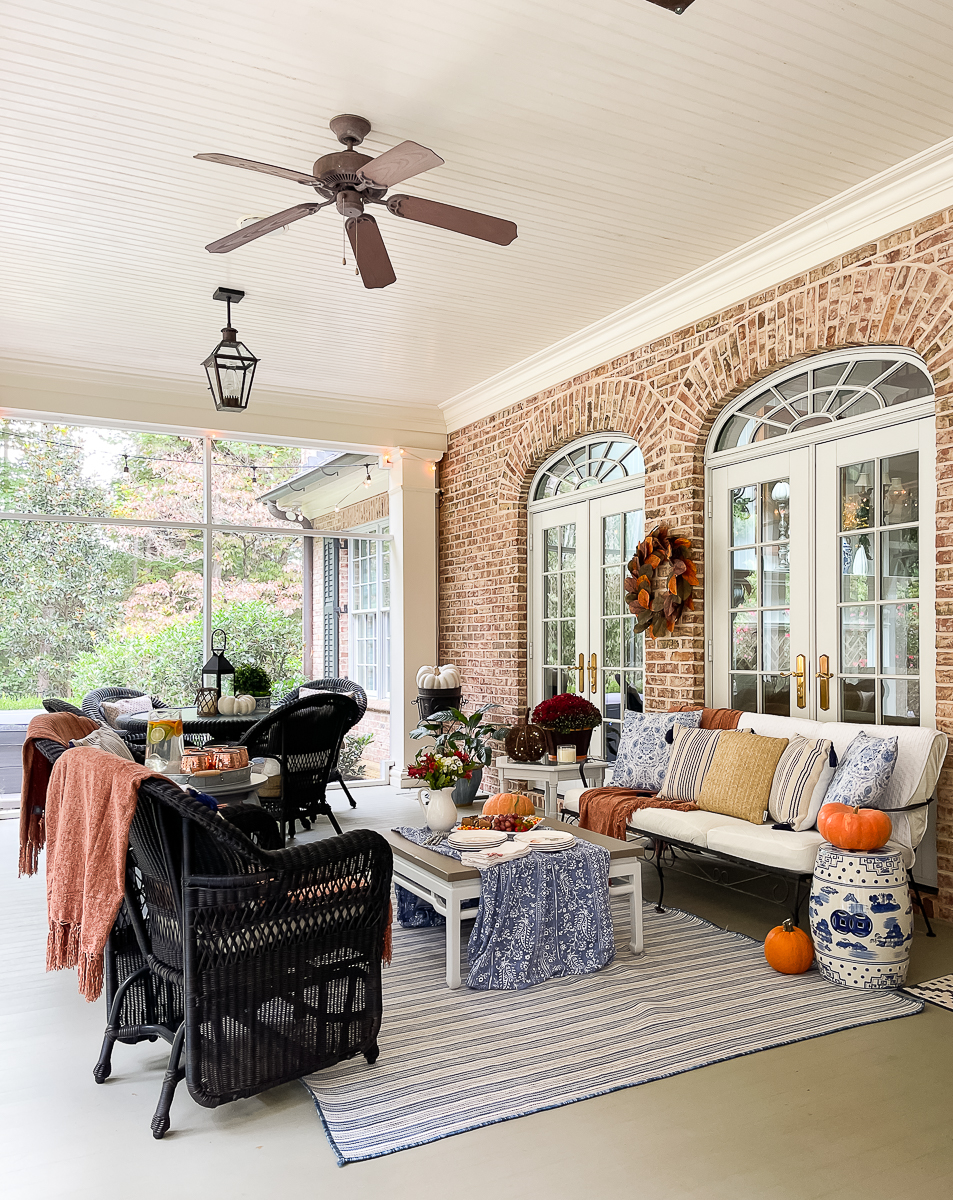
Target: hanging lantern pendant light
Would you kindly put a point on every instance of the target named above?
(231, 365)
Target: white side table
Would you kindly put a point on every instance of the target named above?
(550, 775)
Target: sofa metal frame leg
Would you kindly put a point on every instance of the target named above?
(659, 846)
(923, 912)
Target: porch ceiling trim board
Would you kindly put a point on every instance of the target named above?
(902, 195)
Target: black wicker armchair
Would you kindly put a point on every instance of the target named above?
(54, 705)
(346, 687)
(93, 708)
(257, 966)
(305, 736)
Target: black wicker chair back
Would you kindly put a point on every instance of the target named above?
(93, 708)
(57, 706)
(305, 736)
(258, 966)
(346, 687)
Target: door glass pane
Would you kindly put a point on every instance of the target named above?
(901, 489)
(901, 701)
(612, 538)
(858, 639)
(633, 643)
(552, 549)
(856, 496)
(744, 692)
(858, 578)
(612, 591)
(775, 510)
(634, 526)
(777, 695)
(776, 651)
(900, 559)
(776, 575)
(610, 643)
(744, 642)
(858, 700)
(743, 516)
(568, 584)
(744, 579)
(900, 638)
(550, 595)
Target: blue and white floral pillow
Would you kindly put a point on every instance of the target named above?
(643, 751)
(863, 772)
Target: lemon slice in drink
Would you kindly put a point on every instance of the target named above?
(157, 734)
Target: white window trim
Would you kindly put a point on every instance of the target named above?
(374, 530)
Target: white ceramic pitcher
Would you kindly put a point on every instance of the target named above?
(440, 811)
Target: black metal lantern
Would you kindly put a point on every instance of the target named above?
(218, 665)
(231, 365)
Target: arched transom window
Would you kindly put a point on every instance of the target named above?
(814, 396)
(589, 464)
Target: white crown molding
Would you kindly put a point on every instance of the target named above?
(53, 390)
(908, 192)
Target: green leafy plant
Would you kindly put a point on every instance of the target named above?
(352, 750)
(252, 681)
(452, 731)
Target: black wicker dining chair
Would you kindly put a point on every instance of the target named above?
(93, 708)
(55, 705)
(346, 687)
(305, 736)
(257, 966)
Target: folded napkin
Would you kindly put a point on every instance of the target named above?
(496, 855)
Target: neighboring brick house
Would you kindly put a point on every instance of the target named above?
(667, 395)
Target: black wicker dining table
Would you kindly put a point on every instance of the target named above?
(213, 729)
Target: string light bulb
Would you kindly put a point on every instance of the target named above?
(125, 469)
(254, 473)
(367, 481)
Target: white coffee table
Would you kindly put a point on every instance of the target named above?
(550, 775)
(445, 883)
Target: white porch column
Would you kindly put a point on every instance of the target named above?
(413, 593)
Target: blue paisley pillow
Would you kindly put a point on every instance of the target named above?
(864, 771)
(643, 751)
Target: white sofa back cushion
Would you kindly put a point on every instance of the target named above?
(920, 754)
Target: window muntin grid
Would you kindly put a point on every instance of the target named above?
(822, 395)
(878, 602)
(559, 610)
(623, 650)
(370, 612)
(590, 464)
(759, 610)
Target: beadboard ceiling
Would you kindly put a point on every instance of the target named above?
(631, 146)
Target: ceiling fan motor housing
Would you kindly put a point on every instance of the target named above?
(349, 203)
(340, 168)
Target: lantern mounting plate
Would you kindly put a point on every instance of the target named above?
(234, 295)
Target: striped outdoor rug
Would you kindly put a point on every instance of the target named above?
(453, 1061)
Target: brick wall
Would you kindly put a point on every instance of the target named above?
(666, 395)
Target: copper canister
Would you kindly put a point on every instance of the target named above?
(196, 760)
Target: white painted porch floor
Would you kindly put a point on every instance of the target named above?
(859, 1114)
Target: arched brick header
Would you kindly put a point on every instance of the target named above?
(626, 406)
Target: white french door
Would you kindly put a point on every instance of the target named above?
(815, 588)
(582, 636)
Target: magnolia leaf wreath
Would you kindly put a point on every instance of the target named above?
(660, 613)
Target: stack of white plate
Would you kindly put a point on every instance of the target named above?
(546, 839)
(475, 839)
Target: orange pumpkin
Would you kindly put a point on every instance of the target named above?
(850, 828)
(508, 802)
(789, 949)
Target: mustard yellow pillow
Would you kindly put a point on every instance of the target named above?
(738, 782)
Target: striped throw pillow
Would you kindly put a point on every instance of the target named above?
(800, 781)
(692, 752)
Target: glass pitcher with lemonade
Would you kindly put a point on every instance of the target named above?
(164, 744)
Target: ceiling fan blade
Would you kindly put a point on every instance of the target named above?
(399, 163)
(249, 164)
(459, 220)
(370, 252)
(248, 233)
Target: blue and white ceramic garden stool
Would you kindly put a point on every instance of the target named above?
(861, 917)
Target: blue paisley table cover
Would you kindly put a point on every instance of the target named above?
(539, 917)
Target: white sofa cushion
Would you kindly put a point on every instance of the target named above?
(693, 827)
(773, 847)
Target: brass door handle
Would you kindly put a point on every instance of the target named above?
(582, 672)
(593, 673)
(824, 675)
(800, 674)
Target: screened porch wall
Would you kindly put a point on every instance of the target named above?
(666, 395)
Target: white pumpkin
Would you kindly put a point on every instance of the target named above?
(244, 705)
(226, 705)
(423, 673)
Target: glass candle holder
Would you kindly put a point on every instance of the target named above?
(566, 752)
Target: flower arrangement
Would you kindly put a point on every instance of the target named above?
(439, 771)
(566, 713)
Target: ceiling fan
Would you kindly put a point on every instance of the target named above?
(350, 181)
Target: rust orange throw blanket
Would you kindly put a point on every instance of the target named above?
(606, 810)
(90, 804)
(55, 727)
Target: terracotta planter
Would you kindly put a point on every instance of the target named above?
(579, 737)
